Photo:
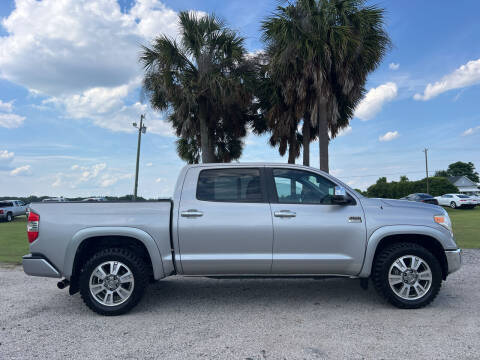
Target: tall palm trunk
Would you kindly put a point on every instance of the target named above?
(292, 147)
(206, 138)
(323, 138)
(306, 139)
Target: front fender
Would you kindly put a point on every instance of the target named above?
(445, 240)
(145, 238)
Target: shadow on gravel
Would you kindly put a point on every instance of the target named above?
(197, 293)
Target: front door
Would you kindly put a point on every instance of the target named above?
(224, 224)
(311, 234)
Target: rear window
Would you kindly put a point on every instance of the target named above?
(424, 196)
(6, 204)
(230, 185)
(463, 196)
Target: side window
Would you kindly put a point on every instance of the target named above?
(302, 187)
(230, 185)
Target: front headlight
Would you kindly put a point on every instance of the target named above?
(444, 220)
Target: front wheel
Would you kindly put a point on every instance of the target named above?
(407, 275)
(113, 281)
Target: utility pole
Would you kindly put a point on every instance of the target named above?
(426, 167)
(142, 129)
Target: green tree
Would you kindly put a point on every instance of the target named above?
(321, 51)
(460, 168)
(441, 173)
(205, 83)
(394, 190)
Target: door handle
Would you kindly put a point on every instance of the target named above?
(191, 213)
(285, 214)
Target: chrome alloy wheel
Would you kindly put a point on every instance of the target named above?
(410, 277)
(111, 283)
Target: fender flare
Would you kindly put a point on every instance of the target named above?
(382, 232)
(142, 236)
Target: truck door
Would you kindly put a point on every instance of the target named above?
(312, 235)
(224, 223)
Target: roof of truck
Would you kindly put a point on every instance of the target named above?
(240, 164)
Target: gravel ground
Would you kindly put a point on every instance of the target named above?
(196, 318)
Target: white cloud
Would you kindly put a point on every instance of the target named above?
(96, 175)
(373, 101)
(7, 119)
(160, 180)
(6, 106)
(109, 179)
(83, 57)
(11, 121)
(471, 131)
(149, 164)
(345, 131)
(21, 170)
(465, 75)
(6, 159)
(6, 155)
(393, 66)
(389, 136)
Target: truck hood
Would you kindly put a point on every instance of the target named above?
(408, 204)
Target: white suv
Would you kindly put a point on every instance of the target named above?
(456, 201)
(11, 208)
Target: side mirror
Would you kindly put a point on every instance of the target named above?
(340, 196)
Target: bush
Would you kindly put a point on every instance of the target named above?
(394, 190)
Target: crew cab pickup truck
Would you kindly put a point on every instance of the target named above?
(11, 208)
(243, 220)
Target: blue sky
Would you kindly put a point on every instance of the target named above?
(70, 80)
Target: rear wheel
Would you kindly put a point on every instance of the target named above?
(9, 217)
(113, 281)
(407, 275)
(453, 205)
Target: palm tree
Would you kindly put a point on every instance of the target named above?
(329, 46)
(205, 83)
(276, 105)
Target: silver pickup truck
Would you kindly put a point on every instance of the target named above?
(243, 220)
(11, 208)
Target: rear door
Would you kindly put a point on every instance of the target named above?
(312, 235)
(224, 223)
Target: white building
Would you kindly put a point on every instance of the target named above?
(464, 184)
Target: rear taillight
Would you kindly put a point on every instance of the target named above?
(1, 212)
(32, 226)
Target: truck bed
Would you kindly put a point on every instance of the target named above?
(64, 225)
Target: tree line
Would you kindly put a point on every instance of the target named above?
(397, 189)
(303, 86)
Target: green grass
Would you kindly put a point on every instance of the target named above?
(14, 243)
(13, 240)
(466, 227)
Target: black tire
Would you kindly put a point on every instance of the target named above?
(125, 256)
(384, 261)
(9, 217)
(453, 205)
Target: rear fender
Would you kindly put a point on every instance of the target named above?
(145, 238)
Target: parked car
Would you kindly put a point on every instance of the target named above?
(94, 199)
(456, 201)
(475, 197)
(243, 220)
(421, 197)
(11, 208)
(54, 200)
